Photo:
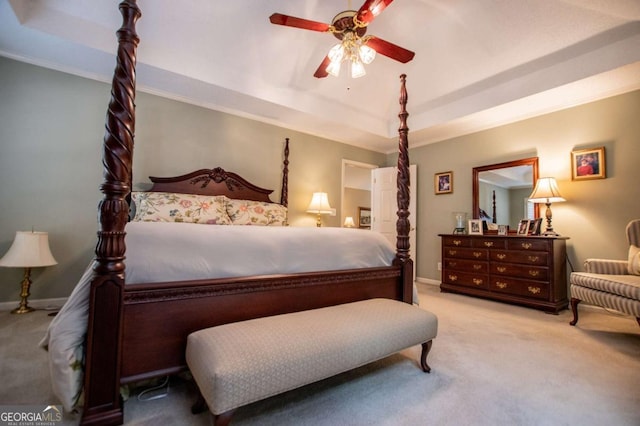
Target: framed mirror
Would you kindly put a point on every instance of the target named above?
(500, 192)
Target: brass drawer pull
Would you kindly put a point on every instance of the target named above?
(477, 267)
(534, 273)
(452, 252)
(477, 281)
(526, 246)
(457, 242)
(453, 264)
(488, 243)
(533, 258)
(501, 269)
(500, 284)
(477, 254)
(453, 277)
(501, 256)
(534, 290)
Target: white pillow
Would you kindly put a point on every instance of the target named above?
(634, 260)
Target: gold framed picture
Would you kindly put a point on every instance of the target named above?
(443, 183)
(588, 164)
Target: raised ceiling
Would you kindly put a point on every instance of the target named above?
(478, 63)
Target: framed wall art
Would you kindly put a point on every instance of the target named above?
(443, 183)
(588, 164)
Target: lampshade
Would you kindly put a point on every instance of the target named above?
(319, 203)
(357, 69)
(29, 250)
(546, 191)
(367, 54)
(348, 222)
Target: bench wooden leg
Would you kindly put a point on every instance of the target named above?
(200, 405)
(426, 347)
(574, 309)
(223, 419)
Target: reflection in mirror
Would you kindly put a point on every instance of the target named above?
(500, 192)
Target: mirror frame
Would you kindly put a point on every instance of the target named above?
(532, 161)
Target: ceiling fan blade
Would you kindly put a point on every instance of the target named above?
(305, 24)
(370, 9)
(321, 72)
(390, 50)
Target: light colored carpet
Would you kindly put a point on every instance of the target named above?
(492, 364)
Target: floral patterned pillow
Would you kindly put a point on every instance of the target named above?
(245, 212)
(173, 207)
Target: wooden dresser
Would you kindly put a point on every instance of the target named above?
(528, 271)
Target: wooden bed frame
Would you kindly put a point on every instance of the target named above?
(138, 332)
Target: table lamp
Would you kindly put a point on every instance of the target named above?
(29, 250)
(348, 222)
(546, 191)
(320, 205)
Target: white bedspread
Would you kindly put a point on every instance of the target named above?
(177, 251)
(159, 252)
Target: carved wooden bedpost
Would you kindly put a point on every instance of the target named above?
(403, 225)
(102, 403)
(284, 193)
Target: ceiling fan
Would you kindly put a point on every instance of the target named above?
(355, 47)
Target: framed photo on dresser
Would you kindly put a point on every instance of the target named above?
(523, 227)
(475, 227)
(534, 226)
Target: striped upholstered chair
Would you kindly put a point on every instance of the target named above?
(612, 284)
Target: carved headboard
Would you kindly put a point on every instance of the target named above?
(212, 182)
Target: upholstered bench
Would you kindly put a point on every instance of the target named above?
(240, 363)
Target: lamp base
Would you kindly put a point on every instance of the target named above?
(22, 310)
(459, 231)
(24, 307)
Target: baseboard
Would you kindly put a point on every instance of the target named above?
(429, 281)
(40, 304)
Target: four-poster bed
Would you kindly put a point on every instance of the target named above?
(139, 331)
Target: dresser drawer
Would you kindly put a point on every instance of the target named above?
(465, 253)
(520, 271)
(524, 257)
(465, 279)
(489, 243)
(454, 241)
(529, 244)
(466, 265)
(533, 289)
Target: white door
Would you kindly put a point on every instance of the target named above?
(384, 205)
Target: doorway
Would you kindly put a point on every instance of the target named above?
(356, 189)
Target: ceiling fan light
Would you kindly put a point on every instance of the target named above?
(357, 69)
(367, 54)
(336, 53)
(334, 68)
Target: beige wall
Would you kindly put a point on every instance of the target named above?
(51, 130)
(596, 211)
(52, 125)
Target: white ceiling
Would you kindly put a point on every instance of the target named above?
(478, 63)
